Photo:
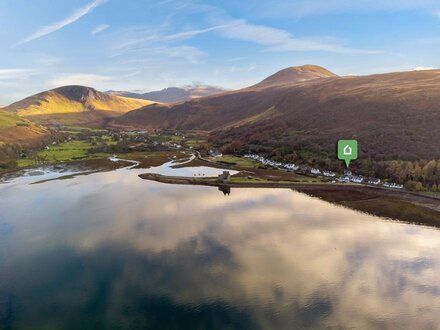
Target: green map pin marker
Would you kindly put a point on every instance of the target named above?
(347, 150)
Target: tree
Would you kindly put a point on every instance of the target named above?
(419, 186)
(233, 147)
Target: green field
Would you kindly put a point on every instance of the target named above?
(234, 160)
(79, 129)
(254, 180)
(67, 151)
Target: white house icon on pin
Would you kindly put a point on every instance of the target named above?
(348, 151)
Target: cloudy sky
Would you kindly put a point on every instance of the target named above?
(152, 44)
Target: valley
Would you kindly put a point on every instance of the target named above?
(279, 133)
(87, 149)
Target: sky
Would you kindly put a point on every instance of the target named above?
(144, 45)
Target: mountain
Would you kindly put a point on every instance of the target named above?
(393, 116)
(73, 105)
(16, 130)
(173, 94)
(292, 75)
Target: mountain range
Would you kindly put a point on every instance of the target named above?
(173, 94)
(393, 115)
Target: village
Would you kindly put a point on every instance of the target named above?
(143, 141)
(346, 177)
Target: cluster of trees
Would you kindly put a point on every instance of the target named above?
(418, 175)
(7, 156)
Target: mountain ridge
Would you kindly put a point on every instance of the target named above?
(84, 99)
(390, 114)
(173, 94)
(78, 104)
(295, 74)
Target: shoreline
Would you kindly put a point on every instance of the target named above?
(291, 185)
(400, 205)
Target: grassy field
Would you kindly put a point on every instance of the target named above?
(255, 180)
(234, 160)
(67, 151)
(79, 129)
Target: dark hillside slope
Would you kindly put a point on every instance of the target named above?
(395, 115)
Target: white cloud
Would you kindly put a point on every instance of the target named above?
(190, 33)
(280, 40)
(189, 53)
(79, 79)
(99, 28)
(301, 8)
(155, 43)
(135, 38)
(16, 74)
(72, 18)
(42, 59)
(423, 68)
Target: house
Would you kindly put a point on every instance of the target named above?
(344, 179)
(373, 181)
(215, 153)
(328, 174)
(393, 185)
(357, 179)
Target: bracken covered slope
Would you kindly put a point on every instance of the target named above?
(395, 115)
(16, 130)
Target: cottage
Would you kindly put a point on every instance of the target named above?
(215, 153)
(373, 181)
(328, 174)
(357, 179)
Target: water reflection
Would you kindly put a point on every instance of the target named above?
(110, 250)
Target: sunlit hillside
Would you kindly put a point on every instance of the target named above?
(16, 130)
(120, 104)
(10, 120)
(74, 99)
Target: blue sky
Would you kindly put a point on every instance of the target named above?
(147, 45)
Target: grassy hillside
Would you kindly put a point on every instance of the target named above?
(62, 104)
(16, 130)
(10, 120)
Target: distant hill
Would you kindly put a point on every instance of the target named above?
(73, 105)
(173, 94)
(16, 130)
(393, 116)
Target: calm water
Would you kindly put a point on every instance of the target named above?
(113, 251)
